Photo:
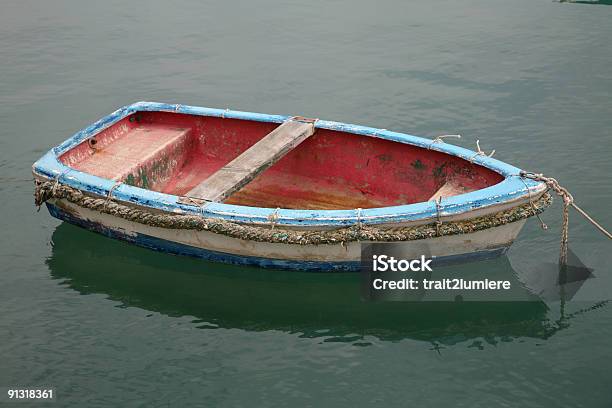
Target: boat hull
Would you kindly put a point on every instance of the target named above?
(143, 161)
(207, 245)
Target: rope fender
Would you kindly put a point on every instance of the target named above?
(45, 190)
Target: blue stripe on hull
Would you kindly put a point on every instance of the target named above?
(163, 245)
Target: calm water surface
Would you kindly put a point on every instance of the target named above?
(105, 323)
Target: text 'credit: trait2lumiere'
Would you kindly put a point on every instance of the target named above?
(385, 263)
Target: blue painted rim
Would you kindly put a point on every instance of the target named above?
(513, 187)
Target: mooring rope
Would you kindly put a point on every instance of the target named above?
(542, 223)
(354, 233)
(568, 200)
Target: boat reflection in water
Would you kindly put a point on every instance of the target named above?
(314, 305)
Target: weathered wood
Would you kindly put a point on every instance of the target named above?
(244, 168)
(448, 189)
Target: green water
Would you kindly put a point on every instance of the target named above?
(108, 324)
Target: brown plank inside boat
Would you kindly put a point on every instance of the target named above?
(244, 168)
(130, 157)
(449, 189)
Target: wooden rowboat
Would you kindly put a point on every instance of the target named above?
(279, 191)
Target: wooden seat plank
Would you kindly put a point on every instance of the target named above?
(139, 147)
(448, 189)
(250, 163)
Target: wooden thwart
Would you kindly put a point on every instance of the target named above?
(448, 189)
(263, 154)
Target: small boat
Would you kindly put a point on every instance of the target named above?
(281, 191)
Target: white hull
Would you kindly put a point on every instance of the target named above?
(493, 240)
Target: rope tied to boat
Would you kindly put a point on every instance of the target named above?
(440, 139)
(542, 223)
(109, 196)
(480, 152)
(56, 183)
(438, 220)
(273, 218)
(57, 179)
(568, 201)
(263, 233)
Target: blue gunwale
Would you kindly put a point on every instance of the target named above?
(513, 187)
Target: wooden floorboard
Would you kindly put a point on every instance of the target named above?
(244, 168)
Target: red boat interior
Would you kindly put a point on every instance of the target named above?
(173, 153)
